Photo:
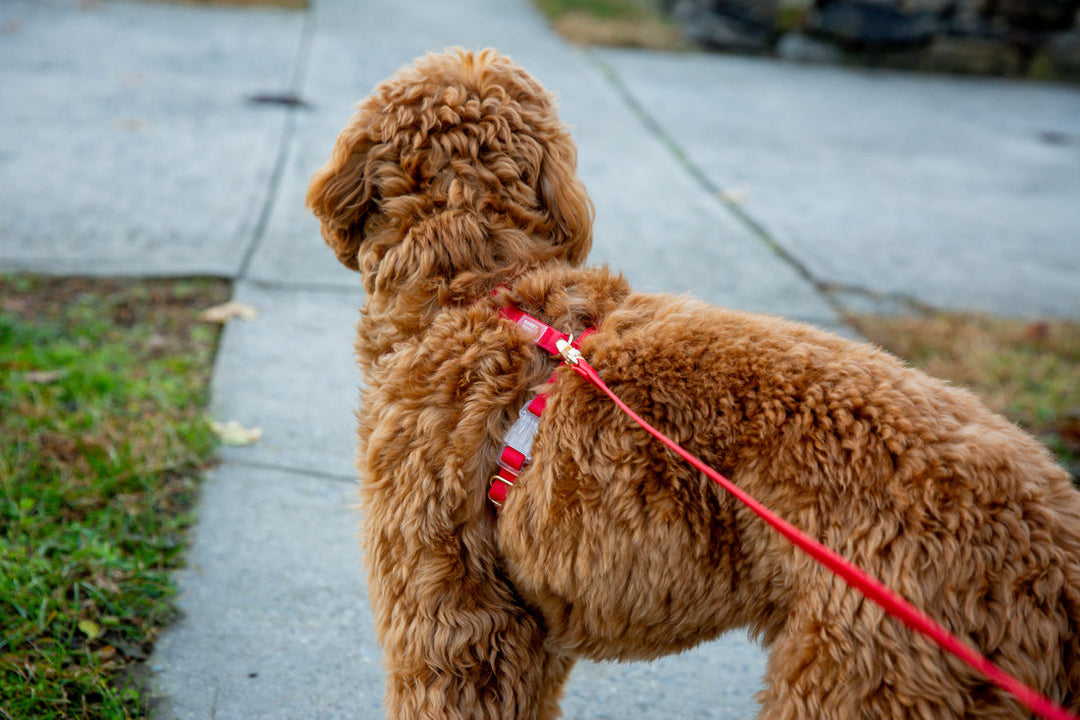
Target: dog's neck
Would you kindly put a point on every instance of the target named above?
(450, 258)
(387, 320)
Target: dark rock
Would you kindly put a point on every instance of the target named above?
(1063, 51)
(1036, 16)
(744, 25)
(800, 47)
(862, 25)
(973, 56)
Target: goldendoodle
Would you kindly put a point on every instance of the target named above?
(453, 192)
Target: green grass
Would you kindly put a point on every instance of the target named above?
(103, 386)
(605, 9)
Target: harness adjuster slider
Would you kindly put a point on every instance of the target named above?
(498, 494)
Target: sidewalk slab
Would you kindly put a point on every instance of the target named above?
(127, 141)
(276, 622)
(291, 372)
(959, 192)
(715, 681)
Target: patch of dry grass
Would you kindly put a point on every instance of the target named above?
(652, 33)
(1028, 370)
(613, 23)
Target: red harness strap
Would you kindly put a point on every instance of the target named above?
(516, 452)
(856, 577)
(538, 331)
(517, 449)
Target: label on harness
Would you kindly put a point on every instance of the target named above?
(531, 326)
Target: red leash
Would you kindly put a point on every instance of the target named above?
(868, 585)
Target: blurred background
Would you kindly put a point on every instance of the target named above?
(1015, 38)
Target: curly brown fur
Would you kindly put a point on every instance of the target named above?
(456, 177)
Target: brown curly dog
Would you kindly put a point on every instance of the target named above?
(456, 177)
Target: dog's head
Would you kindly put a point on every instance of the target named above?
(457, 165)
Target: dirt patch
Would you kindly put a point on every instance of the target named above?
(613, 23)
(651, 33)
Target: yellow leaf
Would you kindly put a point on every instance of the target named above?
(44, 376)
(227, 311)
(90, 628)
(233, 433)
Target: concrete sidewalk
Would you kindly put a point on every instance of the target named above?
(129, 145)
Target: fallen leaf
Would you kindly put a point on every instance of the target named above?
(157, 342)
(107, 585)
(227, 311)
(44, 377)
(233, 433)
(90, 629)
(14, 305)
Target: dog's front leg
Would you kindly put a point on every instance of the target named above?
(458, 644)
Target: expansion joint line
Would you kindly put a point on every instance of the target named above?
(714, 191)
(296, 86)
(289, 470)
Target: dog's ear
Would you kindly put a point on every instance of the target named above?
(565, 199)
(342, 194)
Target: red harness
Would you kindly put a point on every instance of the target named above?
(513, 458)
(516, 452)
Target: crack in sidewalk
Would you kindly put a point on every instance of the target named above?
(717, 193)
(288, 132)
(288, 469)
